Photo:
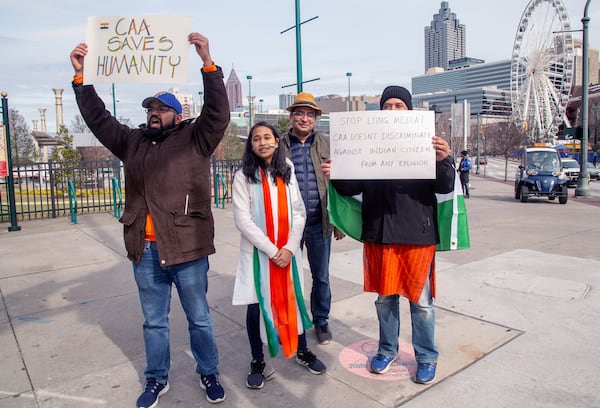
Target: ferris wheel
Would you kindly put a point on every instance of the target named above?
(542, 69)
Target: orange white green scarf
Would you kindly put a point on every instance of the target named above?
(278, 289)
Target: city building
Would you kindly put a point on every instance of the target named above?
(444, 39)
(486, 86)
(594, 61)
(337, 103)
(286, 100)
(234, 91)
(188, 108)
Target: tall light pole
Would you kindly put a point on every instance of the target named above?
(478, 137)
(249, 78)
(349, 74)
(583, 181)
(9, 171)
(299, 80)
(114, 100)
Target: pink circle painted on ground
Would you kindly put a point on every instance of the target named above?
(357, 357)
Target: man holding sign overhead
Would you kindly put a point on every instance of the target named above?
(399, 225)
(168, 224)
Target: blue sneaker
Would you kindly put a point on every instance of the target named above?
(381, 364)
(214, 391)
(425, 373)
(152, 390)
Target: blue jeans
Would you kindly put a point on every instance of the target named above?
(318, 250)
(154, 286)
(422, 315)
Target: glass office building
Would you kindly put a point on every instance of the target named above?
(485, 86)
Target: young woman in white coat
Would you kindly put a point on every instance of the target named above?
(269, 213)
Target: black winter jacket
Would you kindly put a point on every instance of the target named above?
(401, 211)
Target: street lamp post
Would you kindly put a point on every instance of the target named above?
(249, 78)
(478, 137)
(349, 74)
(114, 100)
(583, 181)
(10, 187)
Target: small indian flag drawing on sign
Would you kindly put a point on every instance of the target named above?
(103, 26)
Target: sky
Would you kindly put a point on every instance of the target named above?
(381, 42)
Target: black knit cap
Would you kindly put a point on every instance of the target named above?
(396, 92)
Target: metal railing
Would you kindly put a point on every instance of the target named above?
(42, 189)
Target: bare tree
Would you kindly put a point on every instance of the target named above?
(505, 139)
(233, 146)
(78, 125)
(22, 145)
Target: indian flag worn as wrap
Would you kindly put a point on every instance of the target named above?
(278, 289)
(345, 213)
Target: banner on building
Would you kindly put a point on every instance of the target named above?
(137, 49)
(3, 153)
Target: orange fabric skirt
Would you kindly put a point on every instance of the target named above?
(399, 269)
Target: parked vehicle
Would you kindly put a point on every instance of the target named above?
(571, 170)
(482, 160)
(593, 171)
(540, 174)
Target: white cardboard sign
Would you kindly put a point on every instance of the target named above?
(386, 145)
(137, 49)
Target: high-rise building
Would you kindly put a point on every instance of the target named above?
(444, 39)
(234, 91)
(286, 100)
(186, 101)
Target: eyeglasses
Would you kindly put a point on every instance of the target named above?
(301, 114)
(159, 109)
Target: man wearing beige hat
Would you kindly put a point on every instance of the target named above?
(308, 149)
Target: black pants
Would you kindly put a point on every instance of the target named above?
(253, 328)
(464, 180)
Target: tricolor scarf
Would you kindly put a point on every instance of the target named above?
(278, 291)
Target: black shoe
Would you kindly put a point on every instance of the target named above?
(152, 390)
(307, 359)
(323, 334)
(214, 391)
(259, 373)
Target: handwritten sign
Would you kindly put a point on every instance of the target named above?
(137, 49)
(382, 145)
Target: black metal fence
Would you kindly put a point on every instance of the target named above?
(42, 189)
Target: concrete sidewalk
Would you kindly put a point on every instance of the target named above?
(516, 320)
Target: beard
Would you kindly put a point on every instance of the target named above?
(158, 133)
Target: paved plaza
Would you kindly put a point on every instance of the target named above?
(516, 319)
